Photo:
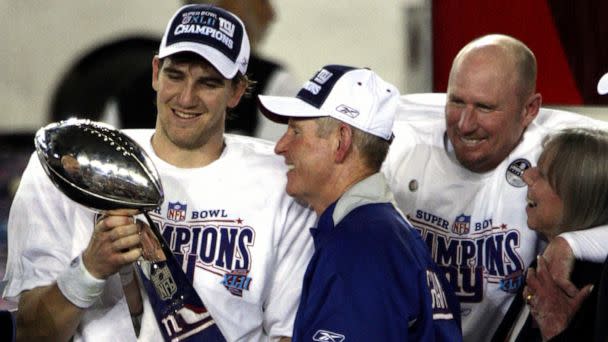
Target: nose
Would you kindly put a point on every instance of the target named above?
(529, 176)
(281, 146)
(187, 96)
(468, 120)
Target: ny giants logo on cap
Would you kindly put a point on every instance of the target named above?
(227, 27)
(323, 76)
(312, 87)
(321, 84)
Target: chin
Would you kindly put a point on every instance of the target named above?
(471, 163)
(537, 228)
(291, 191)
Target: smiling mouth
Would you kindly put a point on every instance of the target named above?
(185, 115)
(290, 167)
(468, 141)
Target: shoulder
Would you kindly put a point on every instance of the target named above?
(418, 122)
(140, 135)
(253, 147)
(555, 119)
(378, 230)
(35, 176)
(254, 154)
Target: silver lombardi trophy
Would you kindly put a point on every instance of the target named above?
(103, 169)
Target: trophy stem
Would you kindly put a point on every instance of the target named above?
(179, 311)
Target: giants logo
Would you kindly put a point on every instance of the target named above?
(491, 254)
(323, 76)
(187, 322)
(227, 27)
(312, 87)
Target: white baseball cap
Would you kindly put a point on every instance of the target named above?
(211, 32)
(356, 96)
(602, 85)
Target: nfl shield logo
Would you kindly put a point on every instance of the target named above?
(163, 282)
(177, 211)
(461, 224)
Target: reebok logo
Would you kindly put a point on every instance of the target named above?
(327, 336)
(348, 111)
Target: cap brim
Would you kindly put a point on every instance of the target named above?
(279, 109)
(602, 85)
(220, 62)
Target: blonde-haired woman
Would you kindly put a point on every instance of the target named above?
(567, 191)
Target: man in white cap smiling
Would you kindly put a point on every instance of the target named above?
(371, 277)
(226, 218)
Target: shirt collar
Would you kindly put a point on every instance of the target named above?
(372, 189)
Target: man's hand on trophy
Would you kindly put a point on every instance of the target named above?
(152, 250)
(116, 242)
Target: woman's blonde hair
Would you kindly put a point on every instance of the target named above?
(578, 172)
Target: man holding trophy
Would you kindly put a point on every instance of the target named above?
(226, 219)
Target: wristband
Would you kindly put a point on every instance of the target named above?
(78, 285)
(126, 275)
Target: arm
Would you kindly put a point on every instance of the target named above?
(53, 312)
(293, 251)
(589, 244)
(45, 314)
(560, 258)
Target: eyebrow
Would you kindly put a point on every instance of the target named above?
(213, 78)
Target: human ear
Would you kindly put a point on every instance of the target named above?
(155, 70)
(345, 139)
(238, 92)
(531, 108)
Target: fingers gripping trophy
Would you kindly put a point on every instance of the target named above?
(105, 170)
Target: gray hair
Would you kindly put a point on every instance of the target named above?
(578, 172)
(373, 149)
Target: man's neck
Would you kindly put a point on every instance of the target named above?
(343, 180)
(188, 158)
